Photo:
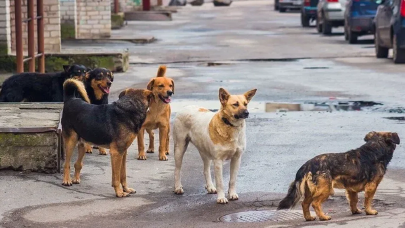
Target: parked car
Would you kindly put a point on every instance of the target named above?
(330, 13)
(308, 12)
(283, 5)
(390, 30)
(359, 18)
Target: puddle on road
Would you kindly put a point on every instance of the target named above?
(260, 107)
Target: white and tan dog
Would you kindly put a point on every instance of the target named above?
(218, 136)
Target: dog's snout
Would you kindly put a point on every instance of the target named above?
(169, 93)
(246, 113)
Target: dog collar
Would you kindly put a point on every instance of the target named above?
(226, 121)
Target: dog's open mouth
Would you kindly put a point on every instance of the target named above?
(104, 89)
(165, 99)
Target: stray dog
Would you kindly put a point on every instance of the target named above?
(37, 87)
(158, 116)
(218, 136)
(113, 126)
(357, 170)
(98, 83)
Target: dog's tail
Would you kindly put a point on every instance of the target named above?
(162, 71)
(73, 87)
(295, 191)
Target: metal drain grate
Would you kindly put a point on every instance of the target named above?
(262, 216)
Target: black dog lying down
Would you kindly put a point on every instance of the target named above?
(113, 126)
(37, 87)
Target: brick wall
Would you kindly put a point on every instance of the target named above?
(67, 11)
(128, 5)
(93, 19)
(5, 38)
(51, 26)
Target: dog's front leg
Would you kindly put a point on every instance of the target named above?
(235, 164)
(124, 175)
(219, 182)
(163, 134)
(116, 163)
(141, 146)
(369, 192)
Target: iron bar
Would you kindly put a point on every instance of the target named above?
(31, 36)
(18, 36)
(40, 31)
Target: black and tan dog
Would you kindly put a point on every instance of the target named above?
(158, 116)
(355, 171)
(113, 126)
(37, 87)
(98, 83)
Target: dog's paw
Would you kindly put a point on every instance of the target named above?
(222, 200)
(371, 212)
(150, 151)
(121, 194)
(233, 196)
(163, 158)
(325, 218)
(67, 182)
(310, 218)
(129, 190)
(141, 157)
(76, 181)
(179, 191)
(357, 211)
(89, 151)
(102, 151)
(211, 189)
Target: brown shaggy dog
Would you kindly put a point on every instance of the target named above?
(355, 171)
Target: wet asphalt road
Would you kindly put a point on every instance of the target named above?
(297, 65)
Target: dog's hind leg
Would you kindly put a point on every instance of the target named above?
(235, 164)
(70, 143)
(321, 194)
(141, 146)
(102, 151)
(79, 162)
(151, 148)
(353, 199)
(180, 147)
(306, 203)
(207, 173)
(123, 177)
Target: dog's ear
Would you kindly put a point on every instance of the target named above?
(172, 86)
(249, 94)
(66, 68)
(123, 93)
(223, 96)
(150, 84)
(149, 95)
(369, 136)
(162, 71)
(393, 137)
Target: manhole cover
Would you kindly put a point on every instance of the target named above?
(262, 216)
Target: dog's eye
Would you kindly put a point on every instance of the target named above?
(78, 71)
(171, 86)
(245, 104)
(161, 86)
(236, 104)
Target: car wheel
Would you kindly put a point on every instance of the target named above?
(282, 10)
(304, 20)
(326, 28)
(380, 52)
(398, 53)
(275, 5)
(318, 26)
(352, 37)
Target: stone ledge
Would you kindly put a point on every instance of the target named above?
(159, 15)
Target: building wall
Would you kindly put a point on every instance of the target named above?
(5, 32)
(52, 33)
(67, 11)
(93, 19)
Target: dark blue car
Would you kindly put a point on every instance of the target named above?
(308, 12)
(359, 18)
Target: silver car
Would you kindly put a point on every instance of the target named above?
(330, 13)
(283, 5)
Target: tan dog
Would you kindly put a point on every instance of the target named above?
(158, 116)
(218, 136)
